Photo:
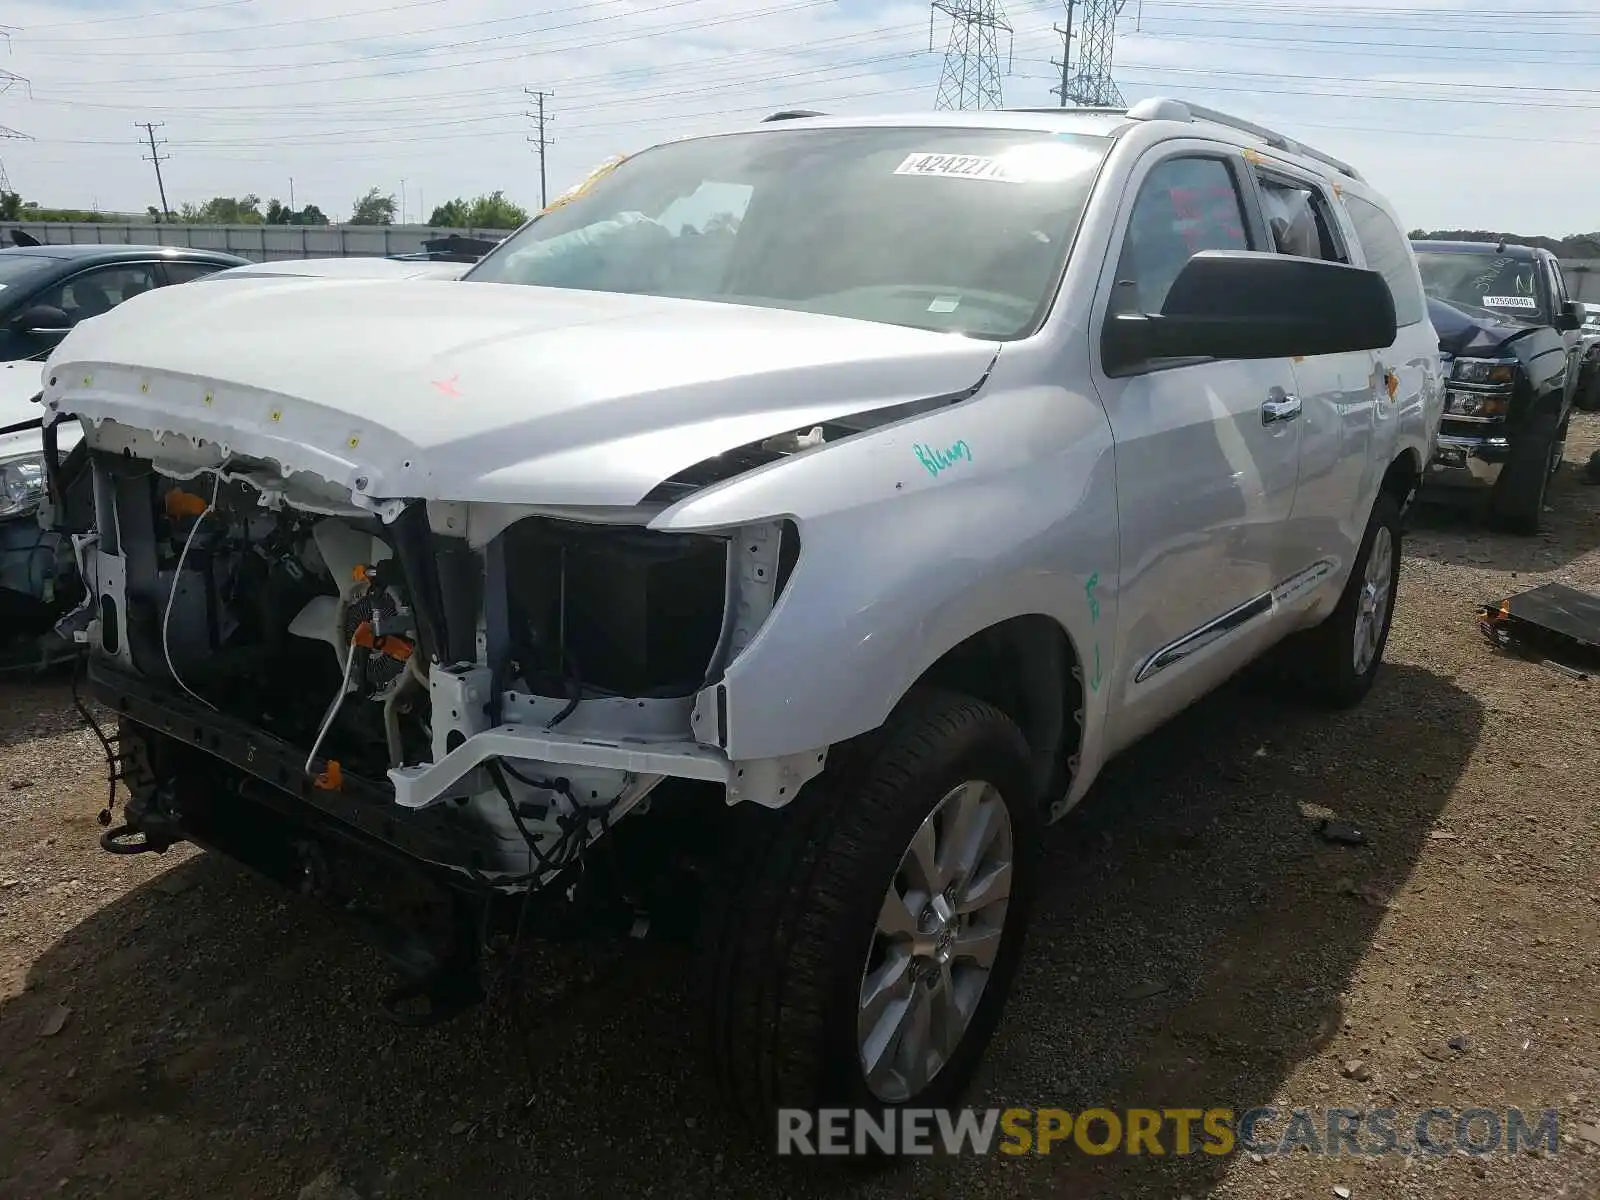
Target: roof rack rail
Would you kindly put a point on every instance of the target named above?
(1077, 108)
(792, 114)
(1163, 108)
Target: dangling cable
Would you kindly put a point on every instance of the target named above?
(177, 578)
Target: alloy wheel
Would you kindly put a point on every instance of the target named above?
(934, 945)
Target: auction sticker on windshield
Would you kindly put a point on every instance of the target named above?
(965, 166)
(1509, 302)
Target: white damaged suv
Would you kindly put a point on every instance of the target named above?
(792, 521)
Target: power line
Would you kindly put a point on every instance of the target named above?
(183, 11)
(539, 139)
(249, 29)
(415, 52)
(156, 159)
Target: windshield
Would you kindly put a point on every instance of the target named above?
(17, 268)
(1507, 287)
(956, 230)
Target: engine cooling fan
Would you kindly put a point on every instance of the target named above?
(336, 619)
(380, 660)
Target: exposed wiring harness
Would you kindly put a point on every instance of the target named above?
(172, 595)
(113, 759)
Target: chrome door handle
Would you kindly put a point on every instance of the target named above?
(1279, 406)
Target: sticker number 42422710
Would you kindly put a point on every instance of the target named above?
(964, 166)
(1510, 302)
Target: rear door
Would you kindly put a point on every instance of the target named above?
(1338, 392)
(1207, 453)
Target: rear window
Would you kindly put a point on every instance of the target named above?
(1388, 253)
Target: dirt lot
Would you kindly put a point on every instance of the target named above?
(1198, 945)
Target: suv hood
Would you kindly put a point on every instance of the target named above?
(425, 389)
(1473, 335)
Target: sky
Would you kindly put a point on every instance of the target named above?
(1463, 115)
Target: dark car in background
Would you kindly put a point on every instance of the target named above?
(455, 248)
(1509, 338)
(46, 290)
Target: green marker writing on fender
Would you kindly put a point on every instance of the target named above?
(936, 460)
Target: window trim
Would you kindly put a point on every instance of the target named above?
(1253, 222)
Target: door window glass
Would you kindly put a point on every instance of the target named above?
(183, 272)
(1389, 254)
(1301, 224)
(95, 292)
(1185, 205)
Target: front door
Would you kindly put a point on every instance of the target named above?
(1207, 458)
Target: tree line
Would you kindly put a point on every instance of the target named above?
(374, 207)
(1578, 245)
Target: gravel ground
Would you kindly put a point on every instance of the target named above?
(172, 1027)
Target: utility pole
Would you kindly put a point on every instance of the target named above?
(1066, 56)
(156, 159)
(402, 202)
(291, 193)
(539, 139)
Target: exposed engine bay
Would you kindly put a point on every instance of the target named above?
(261, 609)
(492, 710)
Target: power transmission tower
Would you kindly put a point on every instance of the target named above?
(156, 160)
(9, 80)
(9, 134)
(539, 139)
(970, 77)
(1088, 81)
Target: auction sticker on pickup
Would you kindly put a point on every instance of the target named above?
(964, 166)
(1509, 302)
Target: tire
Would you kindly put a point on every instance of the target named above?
(1324, 665)
(1518, 501)
(791, 928)
(1588, 397)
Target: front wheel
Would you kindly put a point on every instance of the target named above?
(1517, 504)
(861, 947)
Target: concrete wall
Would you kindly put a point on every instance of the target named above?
(1583, 278)
(262, 243)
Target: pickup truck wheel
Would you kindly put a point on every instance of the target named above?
(859, 949)
(1335, 663)
(1588, 397)
(1518, 502)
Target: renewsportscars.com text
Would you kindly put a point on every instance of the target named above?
(1166, 1131)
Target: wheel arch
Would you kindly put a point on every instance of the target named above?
(1028, 667)
(1403, 477)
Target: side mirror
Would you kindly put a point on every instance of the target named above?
(43, 319)
(1247, 305)
(1570, 317)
